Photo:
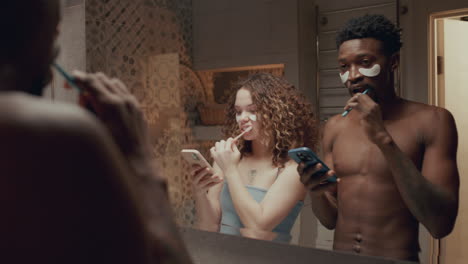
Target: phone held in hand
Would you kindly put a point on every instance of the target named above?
(194, 157)
(307, 156)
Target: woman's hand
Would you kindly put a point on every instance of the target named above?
(226, 154)
(203, 179)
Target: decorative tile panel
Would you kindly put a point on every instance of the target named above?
(148, 45)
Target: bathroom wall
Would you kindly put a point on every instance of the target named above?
(246, 33)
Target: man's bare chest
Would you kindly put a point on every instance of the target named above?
(354, 154)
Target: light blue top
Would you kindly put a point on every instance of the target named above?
(231, 223)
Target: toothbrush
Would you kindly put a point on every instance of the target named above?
(241, 134)
(345, 113)
(66, 76)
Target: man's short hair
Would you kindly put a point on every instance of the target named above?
(372, 26)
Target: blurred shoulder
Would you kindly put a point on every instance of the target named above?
(26, 114)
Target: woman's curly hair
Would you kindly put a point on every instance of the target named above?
(287, 118)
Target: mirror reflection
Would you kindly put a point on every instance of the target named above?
(253, 182)
(241, 106)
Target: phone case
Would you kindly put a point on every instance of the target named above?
(193, 156)
(306, 155)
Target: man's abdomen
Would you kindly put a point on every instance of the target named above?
(374, 220)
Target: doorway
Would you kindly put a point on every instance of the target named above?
(448, 62)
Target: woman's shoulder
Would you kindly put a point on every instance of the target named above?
(289, 167)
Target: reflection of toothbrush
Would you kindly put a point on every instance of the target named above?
(345, 113)
(66, 76)
(241, 134)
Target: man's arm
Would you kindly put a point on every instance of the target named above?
(432, 194)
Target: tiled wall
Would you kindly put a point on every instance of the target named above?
(148, 45)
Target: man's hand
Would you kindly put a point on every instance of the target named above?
(315, 181)
(371, 117)
(117, 108)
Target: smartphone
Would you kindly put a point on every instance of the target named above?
(193, 156)
(306, 155)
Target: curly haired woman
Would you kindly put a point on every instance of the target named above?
(254, 185)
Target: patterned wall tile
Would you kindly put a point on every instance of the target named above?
(163, 74)
(113, 11)
(148, 45)
(96, 46)
(130, 39)
(96, 37)
(96, 61)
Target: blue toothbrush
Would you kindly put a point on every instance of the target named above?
(67, 76)
(345, 113)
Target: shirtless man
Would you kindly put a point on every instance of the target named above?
(73, 188)
(395, 159)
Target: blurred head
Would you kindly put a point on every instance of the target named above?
(27, 49)
(368, 55)
(278, 113)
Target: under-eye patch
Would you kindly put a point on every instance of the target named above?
(251, 117)
(371, 72)
(344, 77)
(368, 72)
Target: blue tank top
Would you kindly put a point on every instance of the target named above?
(231, 223)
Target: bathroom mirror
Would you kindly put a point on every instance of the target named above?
(180, 57)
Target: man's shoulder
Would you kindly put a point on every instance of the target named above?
(333, 123)
(25, 114)
(429, 114)
(432, 122)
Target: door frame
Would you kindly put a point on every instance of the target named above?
(436, 93)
